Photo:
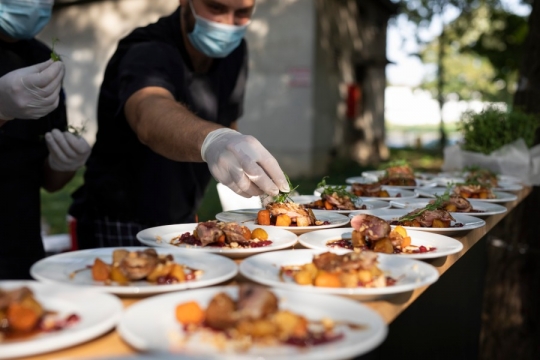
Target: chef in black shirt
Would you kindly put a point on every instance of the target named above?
(34, 150)
(169, 102)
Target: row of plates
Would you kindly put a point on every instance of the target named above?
(150, 324)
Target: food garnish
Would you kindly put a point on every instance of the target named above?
(432, 206)
(284, 197)
(54, 56)
(351, 270)
(224, 235)
(22, 315)
(334, 198)
(254, 319)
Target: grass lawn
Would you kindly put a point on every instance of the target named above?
(54, 206)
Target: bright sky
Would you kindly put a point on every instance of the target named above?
(408, 70)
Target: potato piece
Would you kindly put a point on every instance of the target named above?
(437, 223)
(159, 270)
(21, 318)
(328, 206)
(400, 230)
(376, 271)
(178, 273)
(312, 269)
(405, 241)
(118, 255)
(257, 328)
(349, 279)
(302, 221)
(246, 232)
(416, 223)
(263, 217)
(365, 276)
(326, 279)
(283, 220)
(290, 324)
(100, 270)
(451, 208)
(31, 303)
(118, 276)
(303, 277)
(358, 239)
(189, 313)
(383, 245)
(384, 193)
(483, 195)
(260, 234)
(319, 203)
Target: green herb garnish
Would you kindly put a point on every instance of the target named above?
(395, 163)
(283, 197)
(77, 130)
(439, 201)
(341, 190)
(54, 55)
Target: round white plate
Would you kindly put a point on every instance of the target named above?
(373, 173)
(501, 197)
(460, 174)
(370, 204)
(161, 236)
(502, 185)
(151, 325)
(57, 269)
(98, 314)
(444, 245)
(487, 208)
(369, 179)
(410, 274)
(394, 193)
(248, 216)
(469, 222)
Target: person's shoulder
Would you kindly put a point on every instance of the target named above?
(160, 32)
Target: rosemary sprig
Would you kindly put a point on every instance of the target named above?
(77, 130)
(439, 201)
(283, 197)
(54, 55)
(340, 190)
(476, 181)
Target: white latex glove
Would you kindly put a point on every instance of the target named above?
(31, 92)
(242, 163)
(67, 152)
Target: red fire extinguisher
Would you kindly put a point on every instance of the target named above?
(354, 101)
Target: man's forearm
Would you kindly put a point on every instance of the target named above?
(55, 180)
(168, 128)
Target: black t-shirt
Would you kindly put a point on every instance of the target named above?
(125, 179)
(22, 155)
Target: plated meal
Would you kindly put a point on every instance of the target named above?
(250, 322)
(462, 205)
(361, 204)
(335, 198)
(134, 270)
(271, 269)
(37, 318)
(423, 245)
(218, 237)
(499, 196)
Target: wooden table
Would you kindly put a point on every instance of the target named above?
(110, 344)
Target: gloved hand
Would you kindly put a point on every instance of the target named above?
(31, 92)
(67, 152)
(242, 163)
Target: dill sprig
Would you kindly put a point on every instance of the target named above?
(340, 190)
(283, 197)
(54, 55)
(439, 201)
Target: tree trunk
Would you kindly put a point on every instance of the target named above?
(440, 87)
(511, 327)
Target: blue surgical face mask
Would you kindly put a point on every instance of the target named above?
(214, 39)
(24, 19)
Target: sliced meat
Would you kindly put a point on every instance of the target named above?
(462, 204)
(351, 261)
(233, 232)
(220, 313)
(293, 210)
(208, 232)
(426, 217)
(15, 295)
(138, 264)
(372, 227)
(366, 189)
(256, 302)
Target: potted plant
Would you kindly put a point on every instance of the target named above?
(500, 141)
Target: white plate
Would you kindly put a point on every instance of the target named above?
(98, 314)
(248, 216)
(151, 325)
(469, 222)
(503, 178)
(161, 236)
(487, 208)
(500, 197)
(444, 245)
(370, 204)
(370, 179)
(502, 185)
(57, 269)
(392, 191)
(410, 274)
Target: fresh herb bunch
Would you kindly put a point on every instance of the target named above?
(340, 190)
(283, 197)
(439, 201)
(54, 55)
(493, 128)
